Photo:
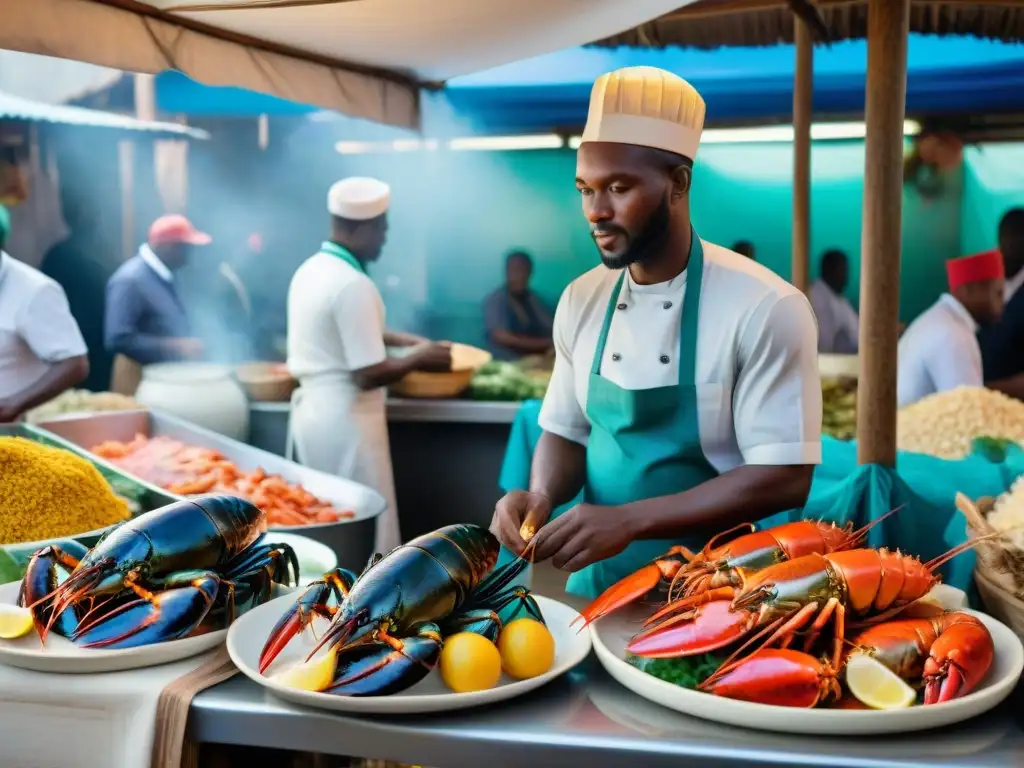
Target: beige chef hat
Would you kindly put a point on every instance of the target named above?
(648, 107)
(358, 198)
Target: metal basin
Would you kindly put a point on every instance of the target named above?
(351, 540)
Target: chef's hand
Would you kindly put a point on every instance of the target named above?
(433, 357)
(515, 511)
(9, 410)
(583, 535)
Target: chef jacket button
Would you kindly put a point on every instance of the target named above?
(616, 356)
(664, 358)
(667, 305)
(621, 306)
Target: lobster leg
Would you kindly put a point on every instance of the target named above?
(154, 617)
(314, 601)
(40, 583)
(383, 665)
(480, 621)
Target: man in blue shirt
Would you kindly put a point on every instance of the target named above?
(145, 320)
(517, 322)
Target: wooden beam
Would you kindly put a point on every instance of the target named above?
(884, 111)
(803, 107)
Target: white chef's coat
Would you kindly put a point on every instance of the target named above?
(939, 351)
(335, 320)
(758, 389)
(36, 326)
(838, 324)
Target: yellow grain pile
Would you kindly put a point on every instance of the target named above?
(944, 424)
(47, 493)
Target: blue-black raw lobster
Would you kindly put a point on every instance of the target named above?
(388, 624)
(177, 571)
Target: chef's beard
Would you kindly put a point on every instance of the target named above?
(647, 243)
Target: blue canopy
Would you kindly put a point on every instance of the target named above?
(945, 75)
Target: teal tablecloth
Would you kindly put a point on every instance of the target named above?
(843, 491)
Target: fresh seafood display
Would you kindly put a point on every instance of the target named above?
(389, 624)
(771, 598)
(189, 470)
(181, 570)
(680, 572)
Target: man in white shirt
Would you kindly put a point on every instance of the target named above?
(42, 352)
(685, 397)
(838, 324)
(939, 350)
(337, 350)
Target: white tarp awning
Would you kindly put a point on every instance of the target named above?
(25, 110)
(366, 58)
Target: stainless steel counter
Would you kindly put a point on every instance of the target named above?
(447, 411)
(585, 718)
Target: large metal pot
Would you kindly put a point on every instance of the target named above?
(204, 394)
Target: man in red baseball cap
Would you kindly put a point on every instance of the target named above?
(940, 350)
(145, 320)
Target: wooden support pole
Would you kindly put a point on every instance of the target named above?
(885, 109)
(803, 107)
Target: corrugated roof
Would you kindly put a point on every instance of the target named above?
(26, 110)
(717, 23)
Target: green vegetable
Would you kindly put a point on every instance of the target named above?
(9, 568)
(992, 448)
(688, 672)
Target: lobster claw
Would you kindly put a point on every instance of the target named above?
(170, 615)
(706, 628)
(629, 590)
(960, 657)
(314, 601)
(381, 668)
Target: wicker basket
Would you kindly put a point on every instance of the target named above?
(266, 382)
(466, 361)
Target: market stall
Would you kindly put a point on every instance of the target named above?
(583, 714)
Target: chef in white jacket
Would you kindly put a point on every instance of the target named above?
(337, 344)
(940, 349)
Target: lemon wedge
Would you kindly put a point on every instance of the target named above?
(875, 685)
(313, 675)
(15, 621)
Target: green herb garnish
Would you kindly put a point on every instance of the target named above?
(687, 672)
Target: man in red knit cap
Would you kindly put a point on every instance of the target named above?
(940, 350)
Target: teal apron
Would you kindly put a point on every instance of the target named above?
(643, 443)
(333, 249)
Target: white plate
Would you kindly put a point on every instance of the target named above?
(248, 635)
(62, 656)
(612, 633)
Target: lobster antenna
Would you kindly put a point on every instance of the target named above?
(734, 658)
(858, 536)
(941, 560)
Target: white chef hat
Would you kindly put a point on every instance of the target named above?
(358, 198)
(648, 107)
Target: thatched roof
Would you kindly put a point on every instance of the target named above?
(716, 23)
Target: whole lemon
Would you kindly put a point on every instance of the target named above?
(470, 662)
(527, 649)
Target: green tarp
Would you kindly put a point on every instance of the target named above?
(843, 491)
